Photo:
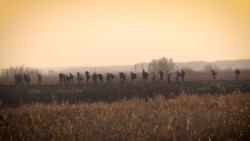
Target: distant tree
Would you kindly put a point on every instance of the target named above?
(171, 64)
(153, 66)
(162, 64)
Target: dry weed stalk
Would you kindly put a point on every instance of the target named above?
(186, 117)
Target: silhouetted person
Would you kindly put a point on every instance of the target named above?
(79, 78)
(133, 77)
(61, 77)
(108, 77)
(112, 77)
(169, 76)
(16, 79)
(100, 76)
(87, 76)
(71, 78)
(94, 77)
(66, 79)
(237, 73)
(26, 78)
(122, 77)
(161, 76)
(39, 78)
(144, 76)
(182, 75)
(214, 73)
(19, 78)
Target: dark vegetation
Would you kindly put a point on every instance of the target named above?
(16, 95)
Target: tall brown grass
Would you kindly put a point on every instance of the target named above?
(186, 117)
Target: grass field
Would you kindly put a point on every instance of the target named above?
(185, 117)
(17, 95)
(198, 109)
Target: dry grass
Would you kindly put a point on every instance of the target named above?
(186, 117)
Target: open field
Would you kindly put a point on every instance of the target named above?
(16, 95)
(185, 117)
(190, 110)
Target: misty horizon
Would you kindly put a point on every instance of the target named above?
(194, 65)
(117, 65)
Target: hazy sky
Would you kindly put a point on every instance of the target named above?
(121, 32)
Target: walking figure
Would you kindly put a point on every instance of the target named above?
(144, 76)
(133, 77)
(112, 77)
(237, 73)
(19, 78)
(87, 76)
(161, 76)
(100, 76)
(39, 78)
(61, 78)
(214, 73)
(94, 77)
(169, 76)
(16, 79)
(26, 78)
(182, 75)
(122, 77)
(108, 77)
(79, 78)
(71, 78)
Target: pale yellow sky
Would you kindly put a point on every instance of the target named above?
(51, 33)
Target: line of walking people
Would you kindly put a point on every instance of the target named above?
(24, 78)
